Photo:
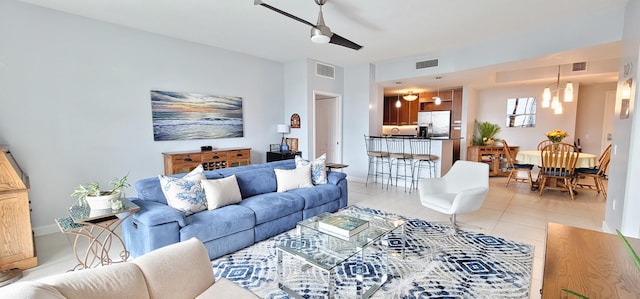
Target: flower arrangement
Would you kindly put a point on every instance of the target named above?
(556, 135)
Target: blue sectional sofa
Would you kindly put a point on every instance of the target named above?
(261, 214)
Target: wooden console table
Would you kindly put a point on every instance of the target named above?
(492, 155)
(592, 263)
(181, 162)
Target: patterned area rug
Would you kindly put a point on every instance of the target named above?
(436, 264)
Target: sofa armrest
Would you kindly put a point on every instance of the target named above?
(334, 177)
(153, 213)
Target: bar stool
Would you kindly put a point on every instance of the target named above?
(378, 158)
(422, 159)
(400, 155)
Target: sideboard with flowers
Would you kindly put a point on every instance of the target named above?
(492, 155)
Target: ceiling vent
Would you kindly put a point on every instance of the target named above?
(325, 70)
(579, 66)
(426, 64)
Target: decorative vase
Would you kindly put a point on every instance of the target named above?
(103, 201)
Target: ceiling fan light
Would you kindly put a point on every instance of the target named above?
(318, 37)
(568, 92)
(437, 100)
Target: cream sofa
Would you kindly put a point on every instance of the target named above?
(180, 270)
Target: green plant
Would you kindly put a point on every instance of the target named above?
(93, 188)
(485, 133)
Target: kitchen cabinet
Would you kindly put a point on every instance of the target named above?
(406, 115)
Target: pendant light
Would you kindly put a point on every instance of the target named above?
(398, 104)
(410, 96)
(554, 103)
(437, 99)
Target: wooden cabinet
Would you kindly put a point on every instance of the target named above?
(16, 244)
(592, 263)
(492, 155)
(181, 162)
(406, 115)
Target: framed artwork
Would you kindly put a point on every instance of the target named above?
(293, 144)
(521, 112)
(295, 121)
(187, 115)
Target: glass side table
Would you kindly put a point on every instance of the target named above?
(98, 227)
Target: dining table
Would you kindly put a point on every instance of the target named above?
(585, 160)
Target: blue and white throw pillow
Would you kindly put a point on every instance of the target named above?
(185, 194)
(318, 172)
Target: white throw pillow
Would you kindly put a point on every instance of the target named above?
(185, 194)
(221, 192)
(318, 172)
(289, 179)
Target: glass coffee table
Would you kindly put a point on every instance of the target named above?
(313, 256)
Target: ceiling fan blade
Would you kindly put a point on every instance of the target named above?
(341, 41)
(284, 13)
(335, 39)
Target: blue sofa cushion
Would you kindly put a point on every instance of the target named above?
(319, 195)
(270, 206)
(214, 224)
(282, 164)
(256, 181)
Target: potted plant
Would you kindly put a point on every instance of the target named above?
(485, 133)
(102, 199)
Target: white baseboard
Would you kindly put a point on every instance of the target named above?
(46, 230)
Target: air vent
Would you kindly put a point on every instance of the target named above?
(579, 66)
(426, 64)
(325, 71)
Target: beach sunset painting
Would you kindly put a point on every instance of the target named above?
(186, 115)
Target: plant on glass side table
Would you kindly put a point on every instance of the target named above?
(96, 198)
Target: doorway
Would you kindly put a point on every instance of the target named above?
(327, 137)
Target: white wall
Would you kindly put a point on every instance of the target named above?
(623, 206)
(492, 107)
(359, 89)
(75, 104)
(590, 120)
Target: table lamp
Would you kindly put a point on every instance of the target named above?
(284, 129)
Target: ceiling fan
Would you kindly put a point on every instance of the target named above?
(320, 33)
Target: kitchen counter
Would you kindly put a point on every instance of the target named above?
(440, 146)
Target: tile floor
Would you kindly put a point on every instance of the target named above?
(515, 213)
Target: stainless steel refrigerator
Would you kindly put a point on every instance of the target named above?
(434, 124)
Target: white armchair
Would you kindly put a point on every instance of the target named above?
(463, 189)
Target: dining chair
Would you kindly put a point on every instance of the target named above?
(598, 173)
(544, 143)
(515, 168)
(558, 164)
(378, 158)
